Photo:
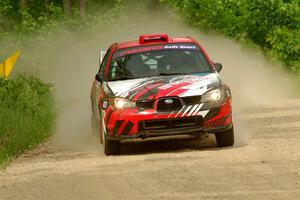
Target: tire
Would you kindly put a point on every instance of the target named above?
(225, 138)
(111, 147)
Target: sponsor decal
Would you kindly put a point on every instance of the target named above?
(135, 50)
(123, 87)
(180, 47)
(105, 104)
(203, 113)
(168, 101)
(155, 87)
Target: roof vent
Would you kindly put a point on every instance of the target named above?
(158, 37)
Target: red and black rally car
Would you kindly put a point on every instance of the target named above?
(159, 86)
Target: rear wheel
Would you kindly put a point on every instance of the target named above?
(225, 138)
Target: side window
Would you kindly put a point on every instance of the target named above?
(104, 61)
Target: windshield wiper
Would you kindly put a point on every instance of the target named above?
(175, 73)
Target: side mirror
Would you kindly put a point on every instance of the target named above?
(99, 77)
(218, 66)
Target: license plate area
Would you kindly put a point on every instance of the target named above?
(172, 123)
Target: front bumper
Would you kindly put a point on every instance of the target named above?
(170, 132)
(132, 123)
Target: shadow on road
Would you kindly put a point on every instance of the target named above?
(168, 144)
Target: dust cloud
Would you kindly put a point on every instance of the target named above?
(70, 61)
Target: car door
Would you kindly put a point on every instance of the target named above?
(97, 85)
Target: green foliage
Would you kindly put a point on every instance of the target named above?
(274, 25)
(285, 45)
(37, 19)
(26, 114)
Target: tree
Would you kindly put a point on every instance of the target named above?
(23, 4)
(67, 7)
(46, 5)
(82, 8)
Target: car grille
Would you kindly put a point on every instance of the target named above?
(162, 106)
(145, 104)
(191, 100)
(168, 104)
(170, 123)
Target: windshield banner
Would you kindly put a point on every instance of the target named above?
(135, 50)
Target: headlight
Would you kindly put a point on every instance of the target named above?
(120, 103)
(215, 95)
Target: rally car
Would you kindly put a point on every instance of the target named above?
(159, 86)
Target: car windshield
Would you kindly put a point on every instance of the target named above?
(159, 60)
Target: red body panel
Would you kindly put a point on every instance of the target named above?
(222, 118)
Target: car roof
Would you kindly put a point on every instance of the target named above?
(153, 39)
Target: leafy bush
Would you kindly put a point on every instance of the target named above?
(273, 25)
(26, 114)
(36, 19)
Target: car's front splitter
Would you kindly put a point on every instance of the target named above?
(195, 131)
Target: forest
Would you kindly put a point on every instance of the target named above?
(272, 25)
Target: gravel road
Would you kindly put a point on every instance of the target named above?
(268, 167)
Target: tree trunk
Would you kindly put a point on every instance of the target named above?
(23, 4)
(46, 5)
(82, 8)
(155, 4)
(67, 7)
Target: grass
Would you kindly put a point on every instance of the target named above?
(26, 115)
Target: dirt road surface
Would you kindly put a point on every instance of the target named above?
(268, 167)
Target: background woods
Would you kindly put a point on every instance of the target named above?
(274, 26)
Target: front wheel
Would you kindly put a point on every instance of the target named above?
(225, 138)
(111, 147)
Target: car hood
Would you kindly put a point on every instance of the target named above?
(164, 86)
